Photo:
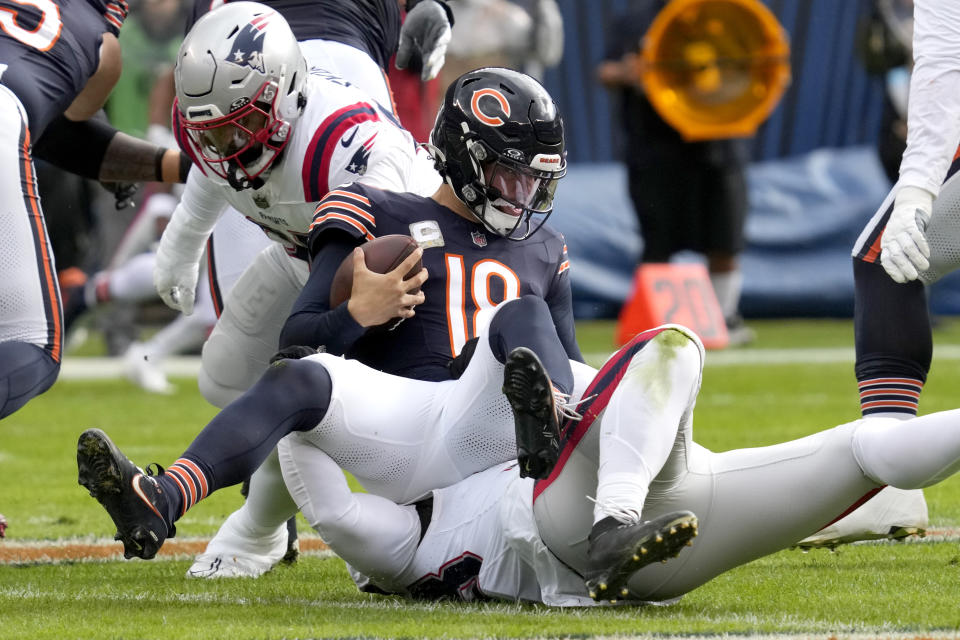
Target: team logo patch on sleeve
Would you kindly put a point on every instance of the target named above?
(358, 163)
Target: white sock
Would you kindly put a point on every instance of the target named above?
(727, 285)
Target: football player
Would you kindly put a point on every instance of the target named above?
(500, 276)
(59, 59)
(623, 495)
(317, 132)
(910, 242)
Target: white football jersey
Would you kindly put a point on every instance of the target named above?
(933, 109)
(342, 136)
(482, 543)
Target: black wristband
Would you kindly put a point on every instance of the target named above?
(185, 164)
(158, 163)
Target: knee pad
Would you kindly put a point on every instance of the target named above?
(226, 370)
(26, 371)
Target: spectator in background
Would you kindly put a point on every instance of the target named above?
(686, 195)
(526, 35)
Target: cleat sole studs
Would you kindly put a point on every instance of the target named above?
(658, 539)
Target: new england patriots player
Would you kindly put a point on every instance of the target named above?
(911, 241)
(59, 59)
(622, 495)
(499, 275)
(351, 39)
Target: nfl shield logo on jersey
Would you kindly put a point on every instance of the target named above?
(479, 238)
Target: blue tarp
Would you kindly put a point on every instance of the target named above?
(805, 215)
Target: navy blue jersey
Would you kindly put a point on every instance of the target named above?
(471, 271)
(50, 49)
(373, 26)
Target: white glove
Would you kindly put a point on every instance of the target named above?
(905, 251)
(425, 34)
(176, 281)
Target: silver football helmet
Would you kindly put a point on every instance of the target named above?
(240, 80)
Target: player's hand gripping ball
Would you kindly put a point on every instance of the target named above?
(381, 255)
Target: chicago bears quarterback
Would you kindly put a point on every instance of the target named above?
(59, 59)
(500, 276)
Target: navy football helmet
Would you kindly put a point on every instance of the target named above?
(498, 141)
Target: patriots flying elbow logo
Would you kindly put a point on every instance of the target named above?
(358, 163)
(247, 49)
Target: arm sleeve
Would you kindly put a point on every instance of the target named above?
(192, 222)
(312, 322)
(560, 300)
(933, 117)
(77, 147)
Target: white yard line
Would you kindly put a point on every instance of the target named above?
(83, 368)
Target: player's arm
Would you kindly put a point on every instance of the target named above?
(933, 133)
(176, 269)
(312, 322)
(560, 300)
(344, 220)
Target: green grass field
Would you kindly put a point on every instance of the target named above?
(879, 589)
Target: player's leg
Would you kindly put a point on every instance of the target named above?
(232, 247)
(742, 494)
(292, 395)
(375, 536)
(31, 325)
(247, 334)
(254, 538)
(636, 428)
(482, 399)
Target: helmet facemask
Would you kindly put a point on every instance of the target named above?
(242, 146)
(511, 199)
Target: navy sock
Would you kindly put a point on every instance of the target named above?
(893, 340)
(293, 395)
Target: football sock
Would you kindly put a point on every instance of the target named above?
(526, 322)
(292, 395)
(26, 371)
(652, 385)
(727, 286)
(893, 340)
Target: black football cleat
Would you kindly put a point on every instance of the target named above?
(616, 551)
(529, 391)
(133, 498)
